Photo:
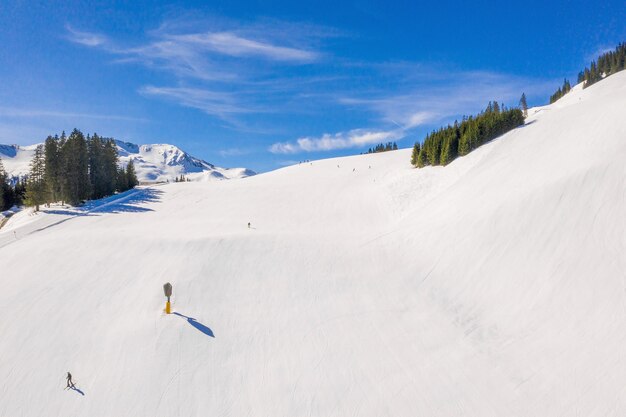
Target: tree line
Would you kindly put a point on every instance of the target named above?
(12, 191)
(607, 64)
(389, 146)
(440, 147)
(561, 91)
(72, 169)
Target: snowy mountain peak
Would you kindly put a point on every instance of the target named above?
(153, 162)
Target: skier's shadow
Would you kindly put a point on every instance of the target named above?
(78, 391)
(201, 327)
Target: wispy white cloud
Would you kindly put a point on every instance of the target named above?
(454, 94)
(235, 71)
(227, 69)
(30, 113)
(86, 38)
(202, 54)
(221, 104)
(229, 43)
(600, 50)
(342, 140)
(225, 153)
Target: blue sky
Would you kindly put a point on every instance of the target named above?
(263, 84)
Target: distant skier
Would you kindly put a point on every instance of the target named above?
(70, 383)
(248, 225)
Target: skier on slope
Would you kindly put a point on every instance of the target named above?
(70, 383)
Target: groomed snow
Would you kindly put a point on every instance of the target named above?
(495, 286)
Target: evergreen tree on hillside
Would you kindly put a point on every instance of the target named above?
(100, 182)
(53, 169)
(76, 158)
(110, 159)
(564, 89)
(19, 192)
(607, 64)
(524, 105)
(122, 180)
(36, 189)
(389, 146)
(131, 175)
(7, 195)
(415, 153)
(440, 147)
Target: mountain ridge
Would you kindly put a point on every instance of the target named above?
(158, 162)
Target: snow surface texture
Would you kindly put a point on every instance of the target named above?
(153, 163)
(494, 286)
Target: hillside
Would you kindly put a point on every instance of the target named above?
(494, 286)
(156, 162)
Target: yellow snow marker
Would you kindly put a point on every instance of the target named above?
(167, 288)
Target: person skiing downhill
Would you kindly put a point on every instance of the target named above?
(70, 383)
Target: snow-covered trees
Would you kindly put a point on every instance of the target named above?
(442, 146)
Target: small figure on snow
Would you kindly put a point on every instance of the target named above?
(248, 225)
(70, 383)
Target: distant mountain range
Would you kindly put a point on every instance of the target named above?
(155, 162)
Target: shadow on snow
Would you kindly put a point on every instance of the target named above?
(126, 202)
(201, 327)
(77, 390)
(120, 203)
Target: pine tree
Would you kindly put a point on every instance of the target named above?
(78, 186)
(110, 159)
(53, 169)
(19, 192)
(524, 105)
(36, 186)
(122, 180)
(7, 195)
(415, 153)
(131, 175)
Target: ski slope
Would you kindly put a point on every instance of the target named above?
(495, 286)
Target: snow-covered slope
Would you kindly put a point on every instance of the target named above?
(158, 162)
(492, 287)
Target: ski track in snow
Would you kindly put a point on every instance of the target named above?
(492, 287)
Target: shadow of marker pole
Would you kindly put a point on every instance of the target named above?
(199, 326)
